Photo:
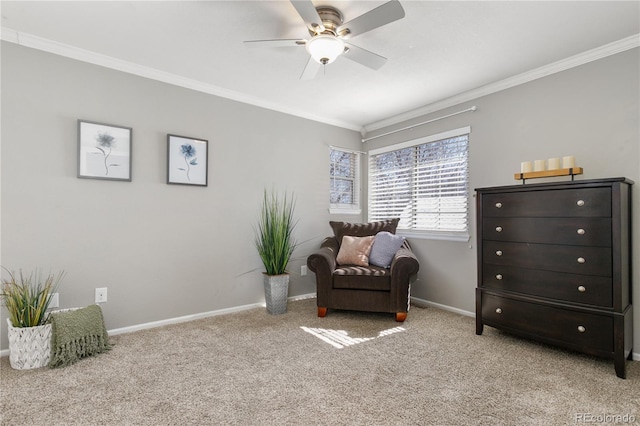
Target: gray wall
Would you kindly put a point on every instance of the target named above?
(590, 112)
(163, 251)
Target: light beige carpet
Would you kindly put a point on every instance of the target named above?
(250, 368)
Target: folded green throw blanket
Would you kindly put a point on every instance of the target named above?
(77, 334)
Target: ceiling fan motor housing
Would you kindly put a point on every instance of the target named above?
(331, 19)
(325, 46)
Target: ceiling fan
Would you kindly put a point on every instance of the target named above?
(330, 35)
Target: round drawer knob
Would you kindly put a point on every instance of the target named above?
(498, 228)
(580, 203)
(582, 288)
(499, 277)
(581, 329)
(499, 253)
(498, 205)
(580, 231)
(581, 260)
(498, 310)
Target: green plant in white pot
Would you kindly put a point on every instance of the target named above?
(27, 299)
(275, 243)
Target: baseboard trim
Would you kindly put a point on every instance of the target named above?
(153, 324)
(178, 320)
(635, 356)
(185, 318)
(193, 317)
(429, 304)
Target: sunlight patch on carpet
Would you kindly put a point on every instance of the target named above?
(341, 338)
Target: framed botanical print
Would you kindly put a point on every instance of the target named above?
(104, 151)
(187, 160)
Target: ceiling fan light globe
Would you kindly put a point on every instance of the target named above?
(324, 49)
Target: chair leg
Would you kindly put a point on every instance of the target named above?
(401, 316)
(322, 312)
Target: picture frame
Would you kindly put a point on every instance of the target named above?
(104, 151)
(187, 160)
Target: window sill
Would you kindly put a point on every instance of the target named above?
(345, 211)
(433, 235)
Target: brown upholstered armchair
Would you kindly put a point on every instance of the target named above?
(368, 288)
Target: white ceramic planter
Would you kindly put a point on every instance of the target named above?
(29, 347)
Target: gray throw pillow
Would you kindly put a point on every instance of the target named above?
(385, 246)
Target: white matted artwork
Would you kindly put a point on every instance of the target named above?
(187, 160)
(104, 151)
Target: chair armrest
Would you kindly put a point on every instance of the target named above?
(323, 260)
(405, 261)
(403, 267)
(404, 264)
(323, 263)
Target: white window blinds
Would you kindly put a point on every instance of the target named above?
(423, 182)
(344, 185)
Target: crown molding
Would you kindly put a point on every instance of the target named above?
(68, 51)
(61, 49)
(619, 46)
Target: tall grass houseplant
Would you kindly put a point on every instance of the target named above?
(275, 244)
(27, 299)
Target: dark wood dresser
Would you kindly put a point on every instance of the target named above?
(554, 264)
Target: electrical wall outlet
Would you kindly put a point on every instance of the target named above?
(303, 270)
(55, 301)
(101, 295)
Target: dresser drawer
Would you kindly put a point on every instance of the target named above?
(590, 231)
(550, 323)
(573, 259)
(584, 202)
(584, 289)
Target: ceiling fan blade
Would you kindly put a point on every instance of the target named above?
(310, 70)
(275, 43)
(381, 15)
(309, 15)
(364, 57)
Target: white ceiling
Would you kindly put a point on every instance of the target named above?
(441, 49)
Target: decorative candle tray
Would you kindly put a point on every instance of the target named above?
(548, 173)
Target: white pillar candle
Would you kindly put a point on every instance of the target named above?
(553, 163)
(538, 166)
(568, 162)
(526, 167)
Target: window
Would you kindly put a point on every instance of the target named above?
(425, 183)
(344, 175)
